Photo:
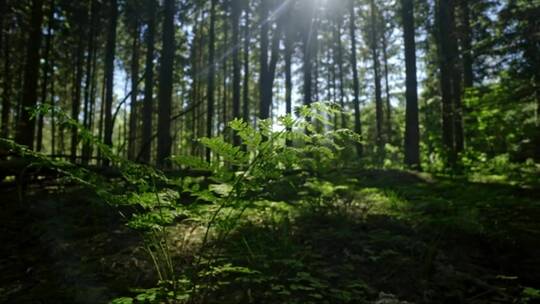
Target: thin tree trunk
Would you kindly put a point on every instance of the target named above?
(90, 70)
(146, 147)
(45, 81)
(224, 96)
(289, 49)
(341, 72)
(211, 77)
(446, 72)
(468, 75)
(245, 87)
(109, 74)
(387, 90)
(166, 85)
(26, 124)
(377, 78)
(263, 59)
(76, 103)
(456, 81)
(235, 20)
(6, 96)
(356, 82)
(412, 130)
(267, 67)
(134, 91)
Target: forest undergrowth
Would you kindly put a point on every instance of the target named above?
(284, 219)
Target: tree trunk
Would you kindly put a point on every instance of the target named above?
(90, 71)
(6, 96)
(356, 82)
(289, 50)
(308, 41)
(135, 54)
(45, 80)
(235, 20)
(446, 71)
(387, 90)
(146, 147)
(225, 95)
(412, 131)
(456, 81)
(263, 59)
(166, 85)
(468, 75)
(337, 38)
(245, 88)
(211, 77)
(377, 78)
(76, 102)
(109, 74)
(26, 125)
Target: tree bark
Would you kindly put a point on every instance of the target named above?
(412, 130)
(337, 37)
(356, 82)
(76, 102)
(468, 74)
(26, 125)
(377, 78)
(267, 65)
(6, 96)
(45, 80)
(109, 74)
(235, 23)
(166, 85)
(245, 88)
(387, 89)
(446, 62)
(211, 77)
(148, 84)
(90, 71)
(135, 54)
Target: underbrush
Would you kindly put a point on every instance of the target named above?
(271, 222)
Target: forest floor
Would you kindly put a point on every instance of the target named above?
(390, 235)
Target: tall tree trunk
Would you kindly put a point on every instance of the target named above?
(211, 77)
(6, 107)
(446, 62)
(245, 87)
(466, 32)
(6, 92)
(339, 54)
(356, 81)
(76, 102)
(264, 12)
(166, 85)
(374, 45)
(109, 73)
(45, 80)
(3, 10)
(387, 89)
(146, 147)
(26, 125)
(268, 68)
(53, 104)
(235, 20)
(412, 130)
(308, 44)
(225, 95)
(289, 50)
(90, 70)
(135, 54)
(457, 80)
